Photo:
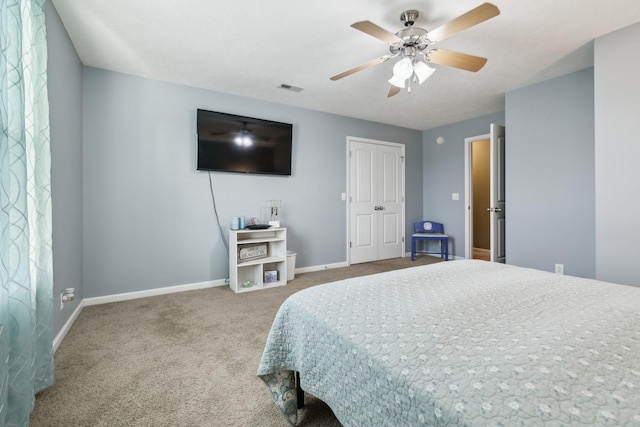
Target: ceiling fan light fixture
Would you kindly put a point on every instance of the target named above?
(397, 82)
(403, 69)
(423, 71)
(243, 139)
(412, 43)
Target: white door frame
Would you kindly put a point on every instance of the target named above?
(468, 191)
(348, 190)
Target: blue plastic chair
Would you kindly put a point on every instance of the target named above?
(429, 230)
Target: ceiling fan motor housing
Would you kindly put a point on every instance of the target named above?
(413, 38)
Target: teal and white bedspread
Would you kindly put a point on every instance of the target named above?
(467, 343)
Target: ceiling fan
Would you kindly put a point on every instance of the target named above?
(413, 45)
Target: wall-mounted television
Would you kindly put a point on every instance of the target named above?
(230, 143)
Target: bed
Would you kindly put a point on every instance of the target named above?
(468, 343)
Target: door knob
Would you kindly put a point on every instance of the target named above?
(489, 210)
(497, 210)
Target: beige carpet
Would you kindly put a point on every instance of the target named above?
(185, 359)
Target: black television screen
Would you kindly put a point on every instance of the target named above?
(230, 143)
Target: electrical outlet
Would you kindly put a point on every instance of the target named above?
(67, 295)
(559, 268)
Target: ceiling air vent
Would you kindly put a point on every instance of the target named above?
(290, 88)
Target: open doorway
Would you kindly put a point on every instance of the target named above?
(484, 156)
(480, 200)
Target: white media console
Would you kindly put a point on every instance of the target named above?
(257, 259)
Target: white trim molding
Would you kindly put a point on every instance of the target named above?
(321, 267)
(67, 326)
(153, 292)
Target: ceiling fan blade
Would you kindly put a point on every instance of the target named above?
(456, 59)
(361, 67)
(393, 90)
(475, 16)
(380, 33)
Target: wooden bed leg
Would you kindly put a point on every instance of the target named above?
(299, 391)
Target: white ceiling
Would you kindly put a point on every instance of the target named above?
(250, 47)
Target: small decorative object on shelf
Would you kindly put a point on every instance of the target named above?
(235, 223)
(275, 213)
(270, 276)
(247, 284)
(247, 252)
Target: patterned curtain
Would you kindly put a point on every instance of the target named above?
(26, 273)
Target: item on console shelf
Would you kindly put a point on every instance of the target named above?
(235, 223)
(270, 276)
(249, 252)
(275, 213)
(258, 226)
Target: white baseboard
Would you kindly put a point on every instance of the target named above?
(67, 326)
(153, 292)
(321, 267)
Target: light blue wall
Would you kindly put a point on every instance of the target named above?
(443, 174)
(148, 215)
(131, 213)
(550, 175)
(65, 117)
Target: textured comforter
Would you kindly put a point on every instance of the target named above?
(461, 343)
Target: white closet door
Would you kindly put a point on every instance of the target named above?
(376, 214)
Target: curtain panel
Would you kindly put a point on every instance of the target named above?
(26, 271)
